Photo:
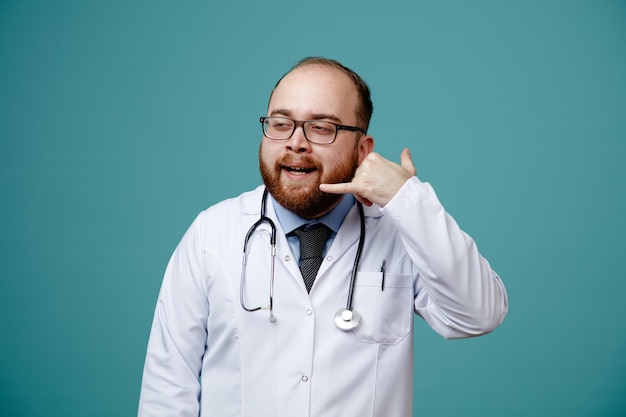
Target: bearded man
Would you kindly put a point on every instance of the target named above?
(342, 248)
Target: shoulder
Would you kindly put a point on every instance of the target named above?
(224, 219)
(246, 203)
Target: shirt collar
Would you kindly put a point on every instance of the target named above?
(290, 221)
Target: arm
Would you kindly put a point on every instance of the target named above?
(457, 293)
(170, 384)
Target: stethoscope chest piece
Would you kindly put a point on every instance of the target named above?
(347, 319)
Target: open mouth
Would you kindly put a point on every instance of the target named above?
(298, 170)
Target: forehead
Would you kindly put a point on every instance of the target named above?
(315, 90)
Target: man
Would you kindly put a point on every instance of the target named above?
(320, 347)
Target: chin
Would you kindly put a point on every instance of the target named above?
(305, 200)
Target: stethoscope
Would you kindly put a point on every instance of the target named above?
(346, 318)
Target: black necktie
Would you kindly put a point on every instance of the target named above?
(312, 243)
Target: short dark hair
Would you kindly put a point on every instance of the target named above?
(365, 108)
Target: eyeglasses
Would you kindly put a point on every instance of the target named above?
(315, 131)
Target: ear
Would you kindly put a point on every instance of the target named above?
(365, 146)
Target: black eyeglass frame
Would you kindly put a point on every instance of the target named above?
(298, 123)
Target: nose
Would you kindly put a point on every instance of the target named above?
(298, 142)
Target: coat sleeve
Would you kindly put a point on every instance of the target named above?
(170, 384)
(456, 291)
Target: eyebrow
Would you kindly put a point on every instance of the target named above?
(314, 116)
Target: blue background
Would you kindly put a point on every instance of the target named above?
(121, 120)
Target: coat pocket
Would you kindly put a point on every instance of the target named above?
(386, 315)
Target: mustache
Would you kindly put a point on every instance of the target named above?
(304, 160)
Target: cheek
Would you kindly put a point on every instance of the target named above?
(265, 152)
(339, 157)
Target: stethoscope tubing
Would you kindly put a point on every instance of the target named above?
(346, 319)
(262, 219)
(357, 258)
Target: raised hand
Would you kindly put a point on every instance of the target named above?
(377, 180)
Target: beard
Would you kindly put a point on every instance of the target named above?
(306, 200)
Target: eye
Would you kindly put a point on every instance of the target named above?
(322, 128)
(280, 124)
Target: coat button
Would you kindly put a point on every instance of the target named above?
(305, 378)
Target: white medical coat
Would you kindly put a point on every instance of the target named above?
(207, 356)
